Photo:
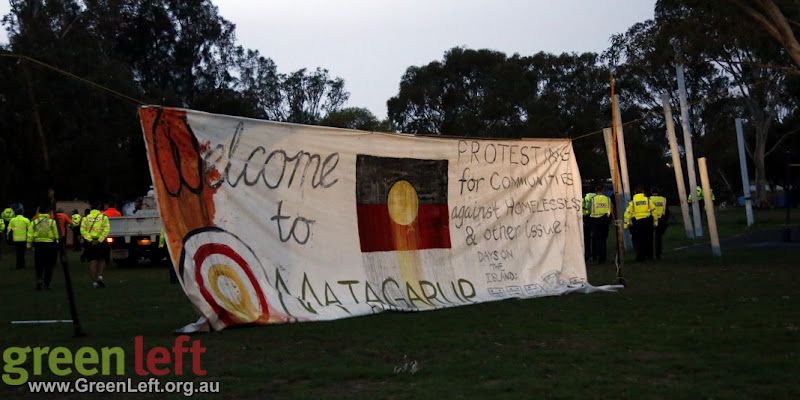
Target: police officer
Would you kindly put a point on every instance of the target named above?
(587, 227)
(76, 230)
(94, 229)
(701, 199)
(661, 215)
(600, 215)
(639, 217)
(7, 215)
(43, 238)
(17, 233)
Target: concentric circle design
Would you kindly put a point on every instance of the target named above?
(222, 266)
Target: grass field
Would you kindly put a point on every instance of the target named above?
(690, 326)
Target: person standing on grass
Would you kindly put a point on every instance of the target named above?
(587, 227)
(43, 240)
(63, 221)
(76, 230)
(94, 229)
(600, 215)
(661, 215)
(639, 218)
(17, 233)
(7, 215)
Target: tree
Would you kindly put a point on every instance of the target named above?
(775, 21)
(644, 59)
(483, 93)
(306, 96)
(356, 118)
(470, 93)
(166, 52)
(731, 42)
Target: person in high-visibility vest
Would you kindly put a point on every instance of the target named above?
(43, 239)
(62, 221)
(639, 217)
(112, 212)
(76, 230)
(587, 227)
(661, 215)
(94, 229)
(701, 199)
(600, 215)
(17, 232)
(6, 215)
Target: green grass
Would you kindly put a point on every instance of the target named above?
(691, 326)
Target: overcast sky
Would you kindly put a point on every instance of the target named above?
(370, 43)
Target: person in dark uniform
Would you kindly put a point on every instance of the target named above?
(600, 215)
(661, 215)
(639, 218)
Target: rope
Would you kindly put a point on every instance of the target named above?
(73, 76)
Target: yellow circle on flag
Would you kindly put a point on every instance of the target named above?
(403, 203)
(233, 293)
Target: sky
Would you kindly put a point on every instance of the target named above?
(371, 43)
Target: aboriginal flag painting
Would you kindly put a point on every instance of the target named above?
(401, 203)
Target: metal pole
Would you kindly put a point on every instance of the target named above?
(712, 219)
(748, 203)
(676, 165)
(687, 145)
(623, 168)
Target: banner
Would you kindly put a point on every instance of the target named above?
(272, 222)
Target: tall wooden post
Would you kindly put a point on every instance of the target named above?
(676, 165)
(623, 168)
(712, 219)
(687, 146)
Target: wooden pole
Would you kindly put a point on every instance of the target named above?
(617, 215)
(608, 137)
(687, 146)
(712, 219)
(623, 166)
(676, 165)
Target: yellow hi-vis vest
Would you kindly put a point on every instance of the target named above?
(7, 214)
(18, 228)
(600, 206)
(95, 226)
(660, 202)
(640, 207)
(700, 194)
(76, 220)
(586, 200)
(42, 230)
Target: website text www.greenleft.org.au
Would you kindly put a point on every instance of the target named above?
(22, 363)
(152, 385)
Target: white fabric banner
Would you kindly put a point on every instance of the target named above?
(273, 222)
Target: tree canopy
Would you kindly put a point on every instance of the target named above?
(75, 71)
